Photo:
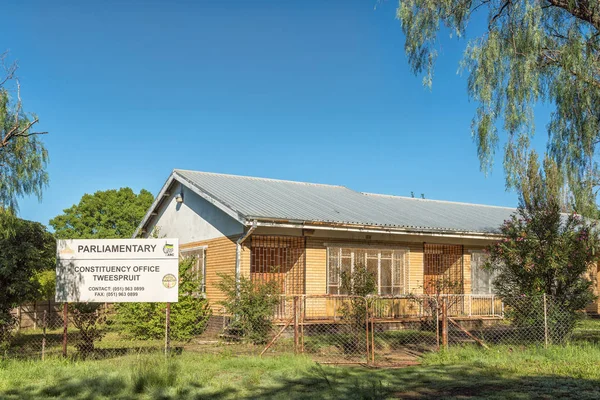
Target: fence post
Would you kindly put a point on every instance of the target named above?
(545, 322)
(470, 304)
(444, 323)
(44, 324)
(296, 334)
(367, 328)
(302, 311)
(437, 322)
(65, 327)
(19, 318)
(167, 329)
(372, 337)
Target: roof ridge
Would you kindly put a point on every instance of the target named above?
(260, 178)
(437, 201)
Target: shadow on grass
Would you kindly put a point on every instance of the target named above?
(424, 382)
(428, 383)
(107, 387)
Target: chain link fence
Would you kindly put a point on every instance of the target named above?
(371, 330)
(94, 331)
(397, 330)
(525, 320)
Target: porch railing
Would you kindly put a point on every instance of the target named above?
(327, 308)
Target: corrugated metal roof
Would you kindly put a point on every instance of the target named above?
(272, 199)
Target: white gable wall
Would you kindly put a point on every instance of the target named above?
(193, 220)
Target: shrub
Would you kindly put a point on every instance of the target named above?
(357, 284)
(544, 252)
(189, 316)
(8, 324)
(90, 319)
(251, 307)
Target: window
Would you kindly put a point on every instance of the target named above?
(199, 267)
(280, 259)
(481, 279)
(442, 268)
(390, 267)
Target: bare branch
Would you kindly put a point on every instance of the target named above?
(9, 71)
(20, 132)
(506, 5)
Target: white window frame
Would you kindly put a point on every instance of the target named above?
(202, 268)
(365, 248)
(490, 278)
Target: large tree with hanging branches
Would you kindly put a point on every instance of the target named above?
(23, 157)
(530, 51)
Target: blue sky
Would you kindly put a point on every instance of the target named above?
(312, 91)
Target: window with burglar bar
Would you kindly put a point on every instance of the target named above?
(198, 254)
(443, 268)
(281, 259)
(389, 266)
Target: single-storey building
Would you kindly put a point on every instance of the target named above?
(303, 235)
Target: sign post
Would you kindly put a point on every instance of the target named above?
(167, 328)
(65, 325)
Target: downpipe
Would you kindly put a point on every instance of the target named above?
(238, 255)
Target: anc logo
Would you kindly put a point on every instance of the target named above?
(169, 281)
(169, 249)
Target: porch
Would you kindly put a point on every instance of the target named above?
(411, 278)
(316, 309)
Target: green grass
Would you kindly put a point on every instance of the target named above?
(221, 372)
(462, 372)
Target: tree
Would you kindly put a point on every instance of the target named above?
(103, 215)
(23, 157)
(545, 252)
(29, 250)
(531, 51)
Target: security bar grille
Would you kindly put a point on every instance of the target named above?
(443, 269)
(281, 259)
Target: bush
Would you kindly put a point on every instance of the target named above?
(189, 316)
(90, 320)
(358, 284)
(547, 253)
(8, 324)
(251, 307)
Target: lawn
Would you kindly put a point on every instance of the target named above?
(518, 372)
(469, 372)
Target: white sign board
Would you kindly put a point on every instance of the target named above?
(117, 270)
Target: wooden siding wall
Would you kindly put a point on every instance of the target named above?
(467, 284)
(316, 266)
(221, 252)
(594, 307)
(220, 259)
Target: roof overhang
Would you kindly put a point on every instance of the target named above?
(260, 222)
